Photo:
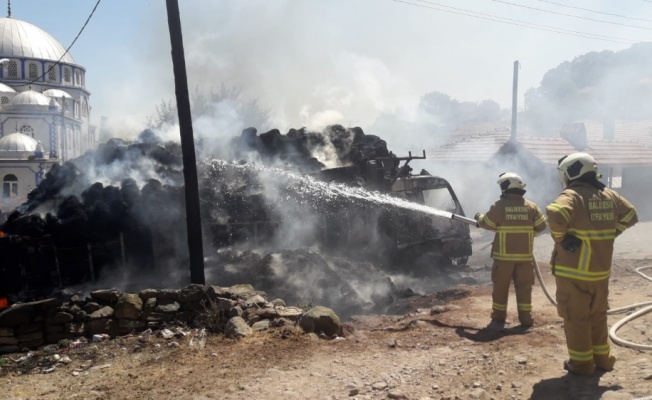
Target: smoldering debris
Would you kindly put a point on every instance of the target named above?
(307, 277)
(121, 208)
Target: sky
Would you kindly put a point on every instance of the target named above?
(316, 62)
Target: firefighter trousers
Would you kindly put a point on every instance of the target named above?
(583, 305)
(502, 275)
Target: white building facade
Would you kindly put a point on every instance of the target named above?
(44, 108)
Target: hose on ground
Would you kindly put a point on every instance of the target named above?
(612, 332)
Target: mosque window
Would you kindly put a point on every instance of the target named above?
(77, 78)
(33, 71)
(4, 100)
(27, 130)
(83, 80)
(84, 108)
(9, 186)
(52, 72)
(66, 74)
(12, 69)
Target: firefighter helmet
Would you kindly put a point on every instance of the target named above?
(575, 165)
(510, 180)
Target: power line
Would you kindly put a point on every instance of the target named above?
(67, 50)
(570, 15)
(596, 12)
(509, 21)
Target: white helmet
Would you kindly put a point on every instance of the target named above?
(510, 180)
(575, 165)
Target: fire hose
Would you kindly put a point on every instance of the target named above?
(647, 305)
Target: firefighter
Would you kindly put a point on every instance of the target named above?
(584, 221)
(515, 220)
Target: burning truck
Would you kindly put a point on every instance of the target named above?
(364, 207)
(122, 206)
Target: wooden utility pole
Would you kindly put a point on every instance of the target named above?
(514, 102)
(193, 218)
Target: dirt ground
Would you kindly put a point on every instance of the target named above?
(414, 355)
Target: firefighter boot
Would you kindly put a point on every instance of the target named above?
(498, 316)
(604, 363)
(525, 318)
(579, 368)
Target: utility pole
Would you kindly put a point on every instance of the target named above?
(193, 218)
(512, 137)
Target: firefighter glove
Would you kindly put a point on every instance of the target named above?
(571, 243)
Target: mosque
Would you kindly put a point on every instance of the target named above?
(44, 108)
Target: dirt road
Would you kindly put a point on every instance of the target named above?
(416, 355)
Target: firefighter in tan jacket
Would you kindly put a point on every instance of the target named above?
(584, 221)
(515, 221)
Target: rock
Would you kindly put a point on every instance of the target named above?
(103, 325)
(255, 300)
(291, 313)
(520, 360)
(321, 320)
(243, 291)
(261, 325)
(438, 310)
(106, 296)
(173, 307)
(168, 294)
(236, 312)
(128, 306)
(59, 318)
(127, 325)
(379, 385)
(91, 307)
(266, 313)
(396, 394)
(214, 292)
(279, 322)
(192, 293)
(167, 334)
(278, 303)
(480, 394)
(29, 328)
(18, 314)
(150, 304)
(237, 328)
(104, 312)
(223, 304)
(147, 294)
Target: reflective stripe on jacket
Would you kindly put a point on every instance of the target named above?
(595, 217)
(515, 221)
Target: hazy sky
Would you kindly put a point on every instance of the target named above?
(342, 61)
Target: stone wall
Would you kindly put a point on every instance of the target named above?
(233, 310)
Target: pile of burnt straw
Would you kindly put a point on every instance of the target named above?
(235, 311)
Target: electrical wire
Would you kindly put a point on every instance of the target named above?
(596, 12)
(509, 21)
(570, 15)
(67, 50)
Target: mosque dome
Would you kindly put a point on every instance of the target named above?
(17, 142)
(30, 98)
(4, 89)
(57, 93)
(20, 39)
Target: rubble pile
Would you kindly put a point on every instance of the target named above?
(306, 276)
(236, 311)
(298, 148)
